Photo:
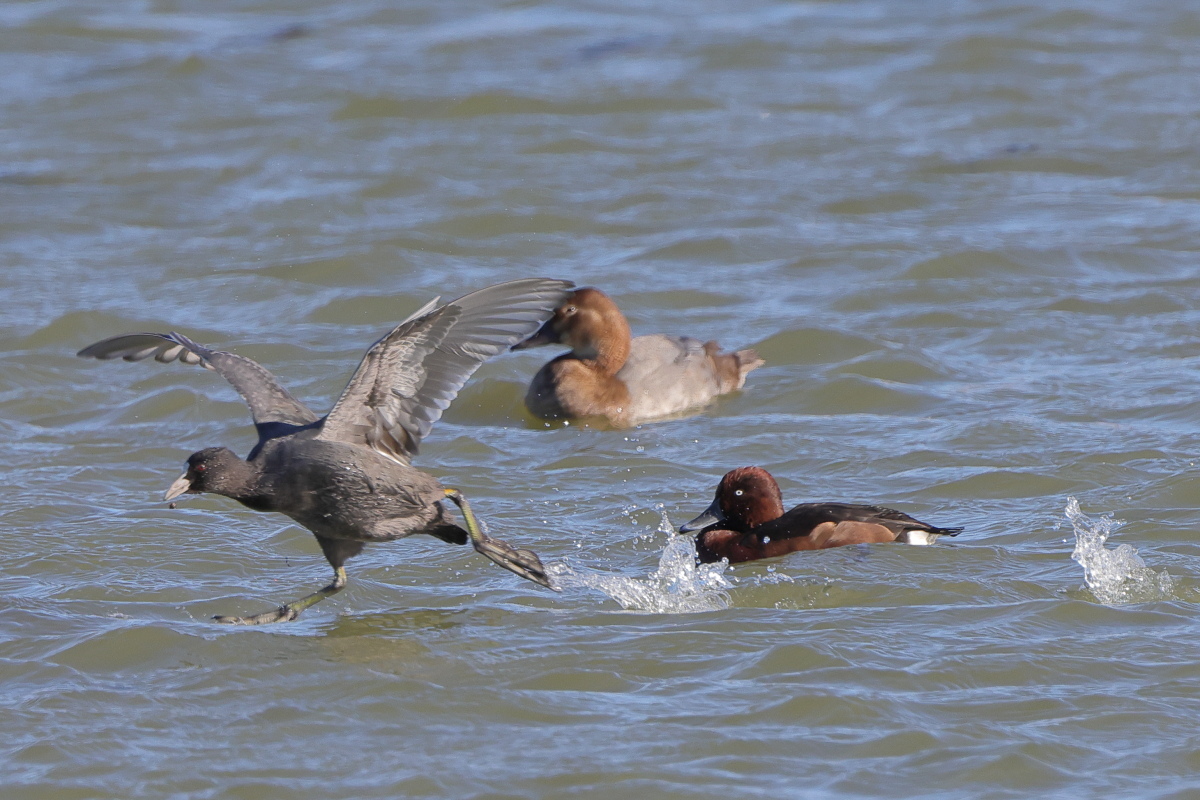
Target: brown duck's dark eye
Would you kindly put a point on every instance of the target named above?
(569, 310)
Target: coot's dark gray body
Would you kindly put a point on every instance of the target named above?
(347, 496)
(344, 492)
(347, 476)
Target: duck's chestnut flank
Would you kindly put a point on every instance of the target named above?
(746, 521)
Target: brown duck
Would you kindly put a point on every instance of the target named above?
(746, 521)
(625, 381)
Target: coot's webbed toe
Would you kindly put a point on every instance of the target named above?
(289, 612)
(517, 560)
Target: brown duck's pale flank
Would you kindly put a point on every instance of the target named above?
(746, 521)
(624, 380)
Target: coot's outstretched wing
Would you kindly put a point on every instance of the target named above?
(408, 378)
(269, 402)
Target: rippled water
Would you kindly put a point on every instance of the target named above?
(962, 235)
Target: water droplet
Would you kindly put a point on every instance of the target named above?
(1116, 576)
(679, 585)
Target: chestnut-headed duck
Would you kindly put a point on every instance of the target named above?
(746, 521)
(626, 381)
(346, 476)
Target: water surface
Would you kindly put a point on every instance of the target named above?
(962, 235)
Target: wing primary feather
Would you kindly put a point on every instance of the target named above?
(268, 401)
(409, 377)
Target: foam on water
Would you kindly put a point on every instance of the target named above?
(1116, 576)
(679, 585)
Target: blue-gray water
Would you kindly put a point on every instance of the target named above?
(963, 235)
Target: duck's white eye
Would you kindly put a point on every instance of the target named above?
(738, 492)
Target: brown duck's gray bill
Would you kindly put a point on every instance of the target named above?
(181, 485)
(710, 516)
(544, 335)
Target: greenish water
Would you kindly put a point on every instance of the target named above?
(962, 235)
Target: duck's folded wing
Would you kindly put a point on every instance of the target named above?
(408, 378)
(667, 374)
(269, 402)
(807, 516)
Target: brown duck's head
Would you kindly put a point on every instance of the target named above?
(588, 322)
(746, 498)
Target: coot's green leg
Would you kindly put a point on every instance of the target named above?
(289, 612)
(514, 559)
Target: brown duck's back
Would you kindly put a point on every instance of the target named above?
(669, 374)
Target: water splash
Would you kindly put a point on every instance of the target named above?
(678, 586)
(1118, 575)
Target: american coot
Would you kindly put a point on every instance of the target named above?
(746, 522)
(625, 381)
(346, 476)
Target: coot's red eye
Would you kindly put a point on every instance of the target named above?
(199, 468)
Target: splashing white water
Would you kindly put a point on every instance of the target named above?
(678, 586)
(1115, 576)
